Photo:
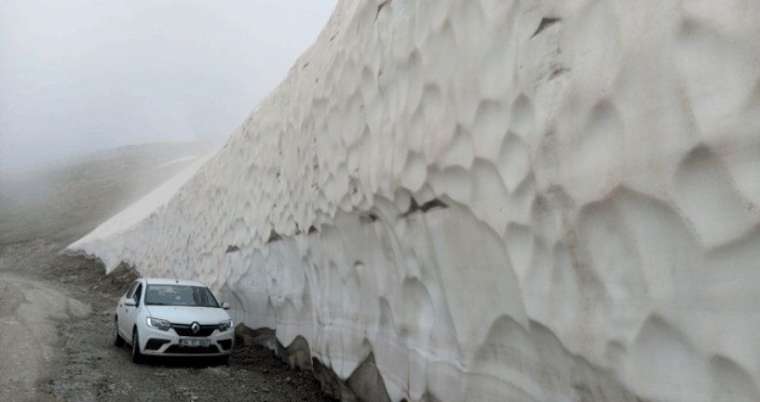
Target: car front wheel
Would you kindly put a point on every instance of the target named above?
(137, 357)
(118, 341)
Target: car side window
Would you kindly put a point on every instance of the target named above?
(138, 293)
(130, 290)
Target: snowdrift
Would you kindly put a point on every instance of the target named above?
(494, 201)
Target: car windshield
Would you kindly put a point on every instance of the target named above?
(180, 295)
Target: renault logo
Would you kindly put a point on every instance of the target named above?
(195, 327)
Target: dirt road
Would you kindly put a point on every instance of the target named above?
(55, 337)
(29, 311)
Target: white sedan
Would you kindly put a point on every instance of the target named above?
(167, 317)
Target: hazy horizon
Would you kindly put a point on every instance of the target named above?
(86, 75)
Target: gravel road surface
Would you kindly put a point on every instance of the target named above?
(55, 337)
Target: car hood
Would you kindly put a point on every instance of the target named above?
(188, 315)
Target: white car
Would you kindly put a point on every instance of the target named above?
(167, 317)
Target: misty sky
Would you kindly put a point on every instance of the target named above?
(82, 75)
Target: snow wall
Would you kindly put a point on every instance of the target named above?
(495, 200)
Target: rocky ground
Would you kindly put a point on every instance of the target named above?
(57, 346)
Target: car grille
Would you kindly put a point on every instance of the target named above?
(184, 330)
(192, 350)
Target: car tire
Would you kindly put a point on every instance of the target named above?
(224, 360)
(118, 341)
(137, 357)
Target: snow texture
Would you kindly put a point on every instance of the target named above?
(500, 201)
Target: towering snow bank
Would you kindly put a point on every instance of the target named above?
(497, 200)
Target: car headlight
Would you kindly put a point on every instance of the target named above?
(223, 326)
(158, 323)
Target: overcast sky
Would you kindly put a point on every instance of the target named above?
(82, 75)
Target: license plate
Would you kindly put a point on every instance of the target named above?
(194, 342)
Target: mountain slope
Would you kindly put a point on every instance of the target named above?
(66, 200)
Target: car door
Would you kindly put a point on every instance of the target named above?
(121, 308)
(132, 305)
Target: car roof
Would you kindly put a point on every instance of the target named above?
(167, 281)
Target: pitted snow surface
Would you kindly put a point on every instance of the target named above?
(498, 200)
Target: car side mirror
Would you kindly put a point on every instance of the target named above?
(226, 306)
(130, 303)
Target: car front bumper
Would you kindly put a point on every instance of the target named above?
(155, 342)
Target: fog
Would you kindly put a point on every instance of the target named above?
(78, 76)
